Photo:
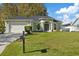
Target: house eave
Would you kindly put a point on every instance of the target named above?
(18, 20)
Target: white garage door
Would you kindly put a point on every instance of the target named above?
(17, 28)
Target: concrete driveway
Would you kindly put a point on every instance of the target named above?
(6, 39)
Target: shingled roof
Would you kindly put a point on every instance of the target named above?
(37, 17)
(31, 18)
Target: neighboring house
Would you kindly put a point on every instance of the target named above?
(46, 23)
(73, 27)
(67, 27)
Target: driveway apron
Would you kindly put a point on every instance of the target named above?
(6, 39)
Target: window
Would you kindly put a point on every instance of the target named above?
(67, 29)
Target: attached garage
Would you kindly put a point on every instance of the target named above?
(19, 28)
(16, 25)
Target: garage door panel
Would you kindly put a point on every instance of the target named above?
(17, 28)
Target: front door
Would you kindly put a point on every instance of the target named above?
(46, 27)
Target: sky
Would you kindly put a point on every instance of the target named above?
(65, 12)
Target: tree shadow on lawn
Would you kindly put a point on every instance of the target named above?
(35, 33)
(45, 50)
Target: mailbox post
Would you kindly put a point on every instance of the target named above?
(23, 42)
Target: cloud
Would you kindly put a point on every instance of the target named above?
(66, 19)
(68, 12)
(62, 10)
(70, 9)
(76, 4)
(77, 15)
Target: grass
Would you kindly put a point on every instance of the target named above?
(59, 44)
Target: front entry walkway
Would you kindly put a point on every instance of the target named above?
(6, 39)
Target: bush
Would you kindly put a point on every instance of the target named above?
(28, 29)
(2, 27)
(2, 30)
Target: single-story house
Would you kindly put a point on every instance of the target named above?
(72, 27)
(67, 27)
(46, 23)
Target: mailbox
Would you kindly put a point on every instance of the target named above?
(21, 37)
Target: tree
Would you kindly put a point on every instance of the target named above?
(22, 9)
(9, 9)
(38, 9)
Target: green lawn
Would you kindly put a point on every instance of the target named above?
(59, 44)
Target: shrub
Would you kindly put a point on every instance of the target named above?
(2, 30)
(2, 27)
(28, 29)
